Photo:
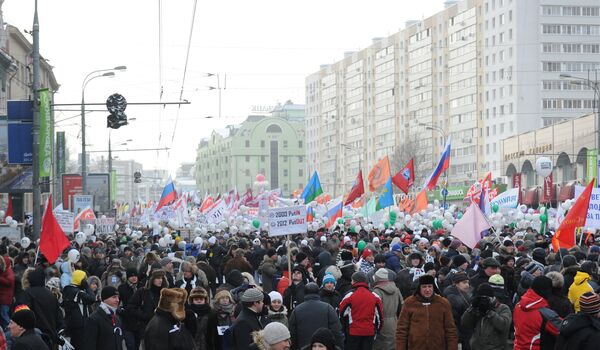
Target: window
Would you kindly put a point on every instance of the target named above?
(262, 143)
(285, 159)
(300, 159)
(247, 172)
(247, 158)
(285, 172)
(247, 143)
(300, 144)
(285, 143)
(262, 158)
(274, 128)
(300, 172)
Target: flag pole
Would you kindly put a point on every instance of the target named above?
(289, 259)
(37, 253)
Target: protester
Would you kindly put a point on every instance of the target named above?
(166, 331)
(275, 336)
(392, 301)
(196, 316)
(277, 311)
(581, 331)
(459, 296)
(103, 330)
(21, 328)
(77, 301)
(328, 293)
(248, 320)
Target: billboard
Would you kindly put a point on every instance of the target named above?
(97, 185)
(71, 186)
(46, 134)
(14, 178)
(20, 143)
(20, 110)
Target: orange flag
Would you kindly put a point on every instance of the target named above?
(420, 202)
(565, 235)
(379, 175)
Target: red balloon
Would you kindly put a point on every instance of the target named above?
(260, 178)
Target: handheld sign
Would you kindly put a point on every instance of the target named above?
(287, 220)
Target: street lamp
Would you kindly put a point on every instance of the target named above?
(595, 85)
(91, 76)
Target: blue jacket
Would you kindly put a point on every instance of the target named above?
(392, 262)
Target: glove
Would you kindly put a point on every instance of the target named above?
(485, 305)
(119, 274)
(83, 285)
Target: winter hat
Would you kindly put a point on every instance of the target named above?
(24, 317)
(497, 280)
(533, 267)
(323, 336)
(212, 240)
(300, 257)
(252, 295)
(455, 244)
(358, 277)
(375, 239)
(558, 280)
(77, 276)
(274, 295)
(589, 303)
(542, 285)
(197, 293)
(132, 272)
(311, 288)
(485, 289)
(367, 252)
(459, 277)
(594, 249)
(275, 332)
(589, 267)
(328, 279)
(108, 292)
(458, 260)
(165, 261)
(428, 267)
(396, 247)
(381, 275)
(427, 279)
(490, 262)
(172, 300)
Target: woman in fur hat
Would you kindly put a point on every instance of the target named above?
(219, 320)
(190, 277)
(196, 316)
(96, 286)
(166, 331)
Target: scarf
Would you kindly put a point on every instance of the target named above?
(200, 310)
(416, 272)
(191, 282)
(107, 308)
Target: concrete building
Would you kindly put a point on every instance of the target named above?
(479, 71)
(269, 145)
(127, 191)
(185, 178)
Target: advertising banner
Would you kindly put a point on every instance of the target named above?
(97, 185)
(20, 143)
(593, 214)
(548, 194)
(45, 135)
(507, 199)
(80, 202)
(287, 220)
(71, 186)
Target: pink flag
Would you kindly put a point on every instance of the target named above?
(468, 228)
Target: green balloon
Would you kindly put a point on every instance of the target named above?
(386, 224)
(393, 217)
(353, 229)
(437, 224)
(459, 215)
(340, 221)
(544, 218)
(512, 225)
(361, 245)
(256, 223)
(495, 207)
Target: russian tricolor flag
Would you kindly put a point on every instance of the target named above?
(168, 196)
(442, 166)
(334, 211)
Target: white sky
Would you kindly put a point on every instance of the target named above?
(265, 47)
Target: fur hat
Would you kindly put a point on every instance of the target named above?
(172, 300)
(558, 280)
(427, 279)
(157, 274)
(197, 293)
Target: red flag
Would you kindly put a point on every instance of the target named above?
(405, 177)
(86, 214)
(52, 239)
(9, 209)
(565, 235)
(207, 204)
(357, 189)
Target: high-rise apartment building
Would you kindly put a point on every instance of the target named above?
(479, 71)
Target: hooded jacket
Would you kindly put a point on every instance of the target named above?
(268, 270)
(65, 277)
(7, 281)
(392, 301)
(528, 319)
(311, 315)
(579, 287)
(579, 332)
(363, 309)
(490, 330)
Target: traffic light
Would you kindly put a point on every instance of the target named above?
(137, 177)
(116, 105)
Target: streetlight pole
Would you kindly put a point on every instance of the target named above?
(35, 182)
(595, 85)
(107, 73)
(441, 131)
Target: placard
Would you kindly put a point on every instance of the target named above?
(287, 220)
(65, 219)
(105, 226)
(81, 202)
(217, 213)
(507, 199)
(593, 214)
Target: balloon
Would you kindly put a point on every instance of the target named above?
(361, 245)
(73, 256)
(166, 230)
(265, 226)
(260, 178)
(523, 208)
(181, 244)
(8, 219)
(437, 224)
(127, 231)
(495, 207)
(543, 166)
(25, 242)
(80, 238)
(103, 217)
(88, 229)
(340, 221)
(353, 229)
(357, 228)
(197, 241)
(352, 223)
(256, 223)
(544, 218)
(161, 242)
(14, 224)
(233, 229)
(117, 228)
(2, 213)
(393, 217)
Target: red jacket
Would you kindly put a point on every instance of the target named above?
(363, 309)
(528, 321)
(7, 282)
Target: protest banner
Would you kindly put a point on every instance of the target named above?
(287, 220)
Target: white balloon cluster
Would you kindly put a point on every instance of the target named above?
(9, 221)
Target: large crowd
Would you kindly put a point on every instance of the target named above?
(378, 289)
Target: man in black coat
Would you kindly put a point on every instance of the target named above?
(311, 315)
(581, 331)
(294, 294)
(103, 330)
(165, 331)
(77, 303)
(131, 333)
(144, 301)
(248, 320)
(488, 268)
(21, 328)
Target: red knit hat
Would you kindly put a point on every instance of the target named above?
(367, 252)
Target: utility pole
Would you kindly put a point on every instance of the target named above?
(35, 182)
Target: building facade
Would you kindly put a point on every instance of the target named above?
(269, 145)
(479, 71)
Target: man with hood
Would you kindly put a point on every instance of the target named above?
(77, 302)
(103, 330)
(426, 320)
(145, 300)
(66, 269)
(190, 277)
(344, 283)
(166, 331)
(362, 312)
(114, 275)
(268, 270)
(581, 331)
(407, 278)
(582, 283)
(536, 325)
(392, 301)
(311, 315)
(394, 257)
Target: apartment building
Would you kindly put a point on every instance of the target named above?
(479, 71)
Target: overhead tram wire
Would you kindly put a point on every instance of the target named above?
(160, 79)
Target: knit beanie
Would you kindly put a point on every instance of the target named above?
(496, 279)
(328, 279)
(485, 289)
(275, 332)
(252, 295)
(24, 317)
(542, 285)
(77, 276)
(359, 276)
(274, 295)
(381, 275)
(533, 267)
(459, 277)
(589, 303)
(108, 292)
(458, 260)
(323, 336)
(589, 267)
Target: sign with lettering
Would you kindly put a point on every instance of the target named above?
(65, 219)
(593, 214)
(105, 226)
(287, 220)
(507, 199)
(80, 202)
(217, 213)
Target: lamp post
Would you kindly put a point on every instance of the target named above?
(441, 131)
(594, 85)
(91, 76)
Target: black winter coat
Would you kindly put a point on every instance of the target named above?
(101, 333)
(579, 332)
(142, 305)
(126, 292)
(77, 304)
(196, 320)
(49, 318)
(242, 328)
(293, 295)
(332, 298)
(311, 315)
(29, 340)
(164, 332)
(215, 341)
(460, 303)
(560, 303)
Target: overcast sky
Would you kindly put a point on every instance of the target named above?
(265, 47)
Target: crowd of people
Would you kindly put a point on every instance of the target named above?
(339, 289)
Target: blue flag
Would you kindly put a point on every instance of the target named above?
(386, 199)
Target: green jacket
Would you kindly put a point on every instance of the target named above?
(490, 331)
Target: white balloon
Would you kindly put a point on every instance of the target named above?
(73, 256)
(543, 166)
(117, 228)
(8, 219)
(2, 213)
(198, 241)
(88, 229)
(166, 230)
(381, 227)
(212, 227)
(14, 224)
(127, 231)
(222, 225)
(103, 217)
(358, 228)
(233, 229)
(161, 242)
(265, 226)
(25, 242)
(181, 244)
(80, 238)
(523, 208)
